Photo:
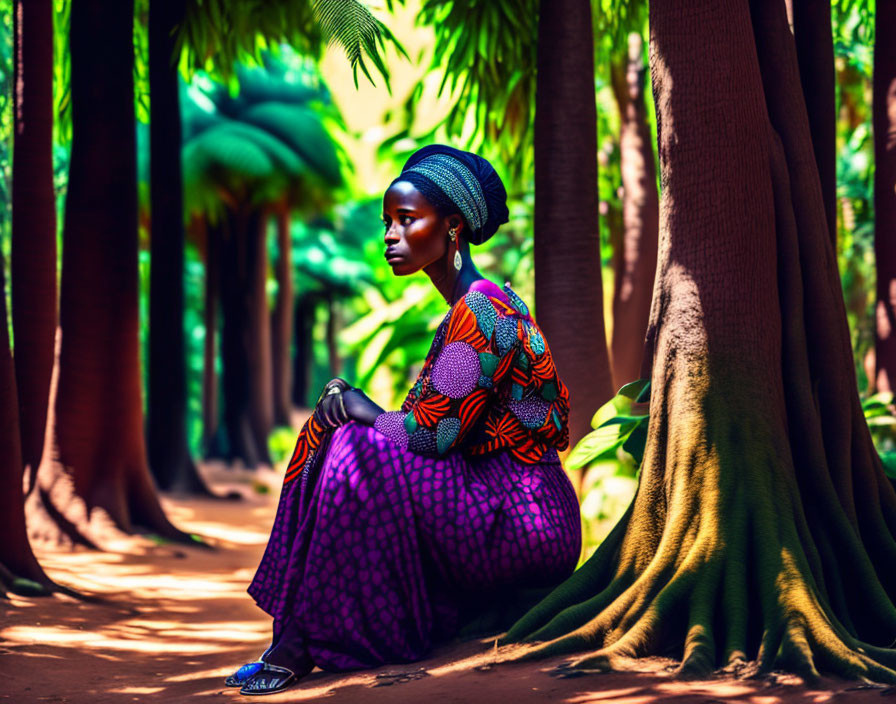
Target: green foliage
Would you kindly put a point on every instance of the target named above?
(271, 141)
(610, 458)
(353, 26)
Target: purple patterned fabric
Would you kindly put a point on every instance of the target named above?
(456, 370)
(371, 560)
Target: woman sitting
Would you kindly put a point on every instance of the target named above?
(392, 525)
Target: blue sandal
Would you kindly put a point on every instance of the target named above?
(241, 676)
(268, 680)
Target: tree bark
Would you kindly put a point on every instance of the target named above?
(304, 360)
(568, 294)
(210, 417)
(17, 561)
(815, 53)
(96, 475)
(282, 322)
(633, 284)
(33, 251)
(756, 428)
(884, 127)
(261, 383)
(237, 267)
(166, 428)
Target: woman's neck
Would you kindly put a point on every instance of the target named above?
(451, 283)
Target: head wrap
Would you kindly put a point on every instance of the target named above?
(452, 179)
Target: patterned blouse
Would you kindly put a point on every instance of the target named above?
(488, 385)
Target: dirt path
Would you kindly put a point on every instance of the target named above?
(176, 621)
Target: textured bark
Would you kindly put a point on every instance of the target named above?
(884, 126)
(633, 284)
(33, 252)
(282, 323)
(568, 294)
(166, 428)
(95, 476)
(815, 53)
(17, 561)
(763, 525)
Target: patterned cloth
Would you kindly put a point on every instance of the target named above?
(390, 535)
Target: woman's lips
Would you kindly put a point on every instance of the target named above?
(392, 256)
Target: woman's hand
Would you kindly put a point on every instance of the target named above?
(330, 409)
(360, 408)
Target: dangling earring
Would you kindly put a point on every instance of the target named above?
(458, 262)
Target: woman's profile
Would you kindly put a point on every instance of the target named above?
(392, 524)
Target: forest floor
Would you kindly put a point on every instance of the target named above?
(173, 621)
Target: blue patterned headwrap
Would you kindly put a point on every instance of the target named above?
(452, 179)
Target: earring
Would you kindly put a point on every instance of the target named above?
(458, 263)
(452, 233)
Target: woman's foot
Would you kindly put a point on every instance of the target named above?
(269, 679)
(241, 676)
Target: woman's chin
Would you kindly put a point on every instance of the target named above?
(401, 268)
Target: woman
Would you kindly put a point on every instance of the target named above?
(394, 525)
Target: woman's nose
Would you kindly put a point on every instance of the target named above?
(391, 235)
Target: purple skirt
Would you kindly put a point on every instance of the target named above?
(375, 550)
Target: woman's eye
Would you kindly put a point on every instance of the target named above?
(406, 220)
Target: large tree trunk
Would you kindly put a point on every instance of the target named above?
(815, 53)
(884, 125)
(568, 295)
(166, 428)
(261, 384)
(282, 322)
(33, 254)
(633, 285)
(17, 561)
(763, 525)
(95, 478)
(237, 269)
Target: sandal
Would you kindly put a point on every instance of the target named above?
(241, 676)
(269, 679)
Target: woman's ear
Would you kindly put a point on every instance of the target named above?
(456, 223)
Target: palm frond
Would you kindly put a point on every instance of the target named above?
(352, 25)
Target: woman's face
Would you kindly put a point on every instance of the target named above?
(416, 234)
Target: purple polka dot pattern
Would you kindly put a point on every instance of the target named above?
(456, 370)
(392, 423)
(532, 412)
(373, 559)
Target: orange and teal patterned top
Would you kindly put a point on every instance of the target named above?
(488, 385)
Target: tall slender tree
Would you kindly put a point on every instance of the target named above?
(884, 127)
(282, 321)
(96, 474)
(568, 292)
(763, 525)
(33, 251)
(166, 428)
(635, 265)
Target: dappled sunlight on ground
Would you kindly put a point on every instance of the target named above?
(167, 623)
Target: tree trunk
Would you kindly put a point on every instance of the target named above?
(633, 285)
(303, 362)
(261, 384)
(763, 525)
(282, 322)
(815, 53)
(166, 428)
(237, 267)
(884, 126)
(96, 476)
(210, 417)
(568, 295)
(33, 254)
(332, 326)
(17, 561)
